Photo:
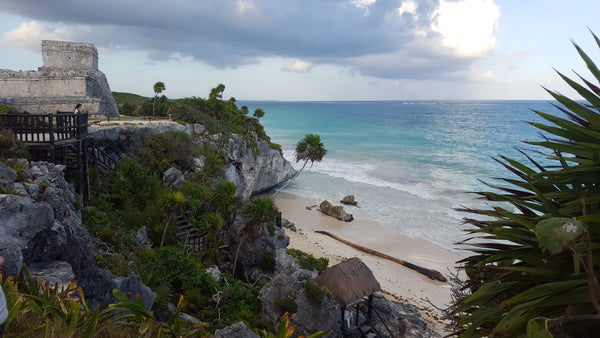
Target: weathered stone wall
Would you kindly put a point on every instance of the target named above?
(69, 76)
(39, 85)
(69, 55)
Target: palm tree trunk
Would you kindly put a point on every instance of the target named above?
(293, 177)
(153, 104)
(162, 240)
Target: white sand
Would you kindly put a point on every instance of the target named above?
(397, 281)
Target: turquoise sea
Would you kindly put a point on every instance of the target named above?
(408, 163)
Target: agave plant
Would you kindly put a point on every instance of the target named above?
(532, 269)
(51, 304)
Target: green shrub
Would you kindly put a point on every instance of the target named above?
(125, 201)
(11, 147)
(165, 150)
(6, 109)
(127, 108)
(220, 116)
(214, 163)
(267, 262)
(308, 261)
(271, 229)
(116, 263)
(287, 305)
(314, 292)
(7, 191)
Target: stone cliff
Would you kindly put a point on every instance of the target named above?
(252, 169)
(40, 225)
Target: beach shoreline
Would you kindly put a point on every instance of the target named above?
(397, 282)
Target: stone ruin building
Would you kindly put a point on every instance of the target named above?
(69, 76)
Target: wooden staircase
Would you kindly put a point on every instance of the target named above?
(193, 239)
(99, 159)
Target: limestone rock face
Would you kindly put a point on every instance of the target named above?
(41, 226)
(403, 320)
(118, 140)
(288, 283)
(253, 170)
(174, 177)
(239, 330)
(250, 245)
(56, 272)
(335, 211)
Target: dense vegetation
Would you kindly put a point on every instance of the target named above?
(216, 114)
(535, 268)
(135, 197)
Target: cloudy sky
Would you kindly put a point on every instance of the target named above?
(315, 49)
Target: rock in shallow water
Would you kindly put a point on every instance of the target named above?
(335, 211)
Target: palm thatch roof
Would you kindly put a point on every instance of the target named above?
(349, 281)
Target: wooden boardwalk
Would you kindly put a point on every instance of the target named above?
(46, 130)
(60, 138)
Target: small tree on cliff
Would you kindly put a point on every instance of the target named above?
(159, 87)
(310, 148)
(258, 113)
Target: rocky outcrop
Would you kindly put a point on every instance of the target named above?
(252, 248)
(335, 211)
(287, 291)
(125, 139)
(174, 177)
(253, 168)
(403, 320)
(349, 200)
(40, 225)
(251, 164)
(239, 330)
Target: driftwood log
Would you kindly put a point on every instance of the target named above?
(432, 274)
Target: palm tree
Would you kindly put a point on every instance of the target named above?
(258, 113)
(310, 148)
(223, 199)
(261, 209)
(159, 87)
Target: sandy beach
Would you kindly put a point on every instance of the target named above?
(397, 281)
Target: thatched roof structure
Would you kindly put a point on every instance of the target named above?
(349, 281)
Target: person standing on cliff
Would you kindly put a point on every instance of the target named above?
(3, 308)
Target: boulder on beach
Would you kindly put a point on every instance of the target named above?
(335, 211)
(349, 200)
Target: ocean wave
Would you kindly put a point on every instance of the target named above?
(416, 184)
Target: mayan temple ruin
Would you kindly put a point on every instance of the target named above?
(69, 76)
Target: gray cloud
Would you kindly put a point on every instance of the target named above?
(224, 33)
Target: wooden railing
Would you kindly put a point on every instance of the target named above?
(46, 128)
(100, 159)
